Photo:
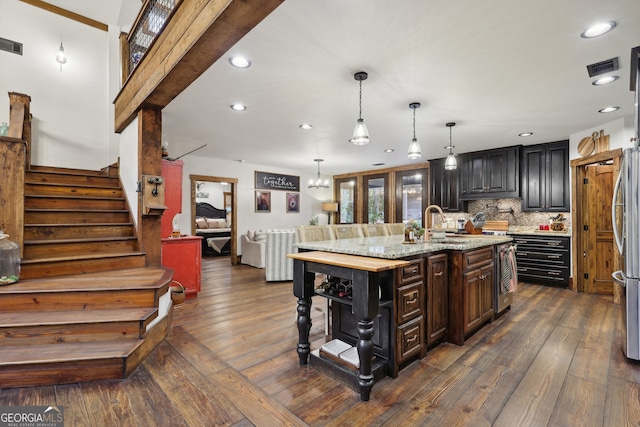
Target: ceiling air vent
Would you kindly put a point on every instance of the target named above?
(10, 46)
(603, 67)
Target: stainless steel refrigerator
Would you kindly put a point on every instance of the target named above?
(625, 212)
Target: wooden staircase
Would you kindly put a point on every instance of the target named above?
(85, 300)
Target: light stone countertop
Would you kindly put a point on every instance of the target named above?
(392, 247)
(535, 231)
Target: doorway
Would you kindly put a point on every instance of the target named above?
(228, 203)
(595, 256)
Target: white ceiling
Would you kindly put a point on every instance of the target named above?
(495, 67)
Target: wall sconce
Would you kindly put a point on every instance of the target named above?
(330, 207)
(61, 57)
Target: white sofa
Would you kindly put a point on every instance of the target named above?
(253, 244)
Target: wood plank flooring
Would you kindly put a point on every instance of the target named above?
(554, 360)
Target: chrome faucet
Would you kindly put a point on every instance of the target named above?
(428, 219)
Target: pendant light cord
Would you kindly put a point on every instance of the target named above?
(414, 123)
(360, 104)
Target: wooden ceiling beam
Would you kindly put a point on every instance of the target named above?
(198, 34)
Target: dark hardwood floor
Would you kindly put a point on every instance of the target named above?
(230, 359)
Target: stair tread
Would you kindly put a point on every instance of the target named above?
(66, 171)
(67, 352)
(66, 184)
(82, 257)
(94, 239)
(81, 224)
(80, 316)
(77, 210)
(133, 278)
(72, 197)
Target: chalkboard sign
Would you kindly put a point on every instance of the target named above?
(276, 181)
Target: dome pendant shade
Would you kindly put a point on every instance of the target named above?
(414, 150)
(360, 133)
(451, 163)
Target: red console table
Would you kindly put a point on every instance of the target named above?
(184, 256)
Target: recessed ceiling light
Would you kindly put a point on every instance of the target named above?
(608, 109)
(240, 62)
(305, 126)
(377, 164)
(605, 80)
(389, 150)
(238, 107)
(598, 29)
(525, 134)
(241, 160)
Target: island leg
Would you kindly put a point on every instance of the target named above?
(303, 289)
(365, 353)
(365, 307)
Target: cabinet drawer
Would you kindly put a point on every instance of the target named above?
(477, 258)
(412, 272)
(409, 339)
(547, 274)
(410, 298)
(536, 256)
(541, 243)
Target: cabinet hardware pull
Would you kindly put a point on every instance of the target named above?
(555, 273)
(554, 256)
(438, 273)
(523, 253)
(412, 339)
(412, 301)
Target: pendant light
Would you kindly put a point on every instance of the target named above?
(360, 133)
(61, 57)
(318, 183)
(414, 147)
(451, 163)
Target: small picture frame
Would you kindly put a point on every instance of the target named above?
(293, 202)
(263, 201)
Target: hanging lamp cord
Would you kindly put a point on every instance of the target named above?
(414, 123)
(360, 104)
(450, 141)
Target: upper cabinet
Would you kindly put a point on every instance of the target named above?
(545, 177)
(490, 174)
(444, 186)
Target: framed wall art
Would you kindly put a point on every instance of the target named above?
(293, 202)
(263, 201)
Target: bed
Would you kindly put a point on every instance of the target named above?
(214, 226)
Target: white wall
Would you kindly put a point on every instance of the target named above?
(620, 131)
(310, 199)
(70, 108)
(129, 165)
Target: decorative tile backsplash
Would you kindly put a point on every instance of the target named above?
(507, 210)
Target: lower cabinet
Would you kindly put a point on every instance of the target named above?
(471, 288)
(184, 256)
(437, 298)
(543, 259)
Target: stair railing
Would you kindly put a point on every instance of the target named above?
(148, 25)
(15, 149)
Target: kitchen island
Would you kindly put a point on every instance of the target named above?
(405, 297)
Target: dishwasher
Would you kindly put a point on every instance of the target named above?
(506, 277)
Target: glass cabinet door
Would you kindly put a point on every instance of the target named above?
(346, 197)
(376, 204)
(411, 199)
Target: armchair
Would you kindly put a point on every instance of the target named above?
(253, 248)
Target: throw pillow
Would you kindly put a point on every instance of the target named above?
(260, 237)
(201, 223)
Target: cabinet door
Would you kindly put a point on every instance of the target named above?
(411, 195)
(472, 288)
(444, 186)
(488, 285)
(376, 198)
(437, 297)
(475, 173)
(558, 177)
(533, 178)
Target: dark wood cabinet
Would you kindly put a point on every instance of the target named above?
(471, 289)
(437, 297)
(543, 258)
(444, 186)
(545, 177)
(490, 173)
